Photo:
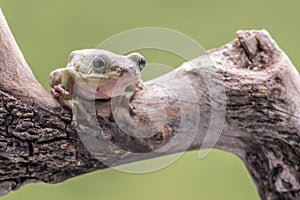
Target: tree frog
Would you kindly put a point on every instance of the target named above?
(93, 74)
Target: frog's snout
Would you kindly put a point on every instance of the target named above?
(124, 69)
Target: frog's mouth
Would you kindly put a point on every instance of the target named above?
(104, 87)
(103, 76)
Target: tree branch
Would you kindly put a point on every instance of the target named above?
(246, 90)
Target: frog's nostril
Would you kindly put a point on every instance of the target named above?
(121, 69)
(117, 68)
(128, 70)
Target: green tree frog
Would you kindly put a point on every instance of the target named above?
(95, 74)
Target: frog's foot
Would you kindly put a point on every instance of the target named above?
(74, 123)
(89, 122)
(139, 85)
(92, 121)
(54, 93)
(59, 90)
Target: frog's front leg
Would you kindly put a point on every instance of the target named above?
(66, 88)
(79, 110)
(61, 81)
(69, 76)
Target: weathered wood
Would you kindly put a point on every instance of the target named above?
(247, 88)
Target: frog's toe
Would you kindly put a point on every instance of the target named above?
(74, 123)
(92, 120)
(54, 93)
(139, 85)
(60, 89)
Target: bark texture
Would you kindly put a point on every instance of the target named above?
(247, 91)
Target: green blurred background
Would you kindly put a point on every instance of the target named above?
(48, 30)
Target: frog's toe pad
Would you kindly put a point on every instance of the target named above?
(54, 93)
(74, 123)
(60, 90)
(139, 85)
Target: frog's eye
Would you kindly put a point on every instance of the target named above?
(142, 63)
(99, 64)
(139, 59)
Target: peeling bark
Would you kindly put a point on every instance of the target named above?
(261, 122)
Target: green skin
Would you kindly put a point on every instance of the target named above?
(95, 74)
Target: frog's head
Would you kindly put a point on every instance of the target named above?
(106, 70)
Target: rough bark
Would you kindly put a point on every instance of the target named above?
(249, 83)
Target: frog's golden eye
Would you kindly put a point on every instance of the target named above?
(99, 64)
(142, 62)
(139, 59)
